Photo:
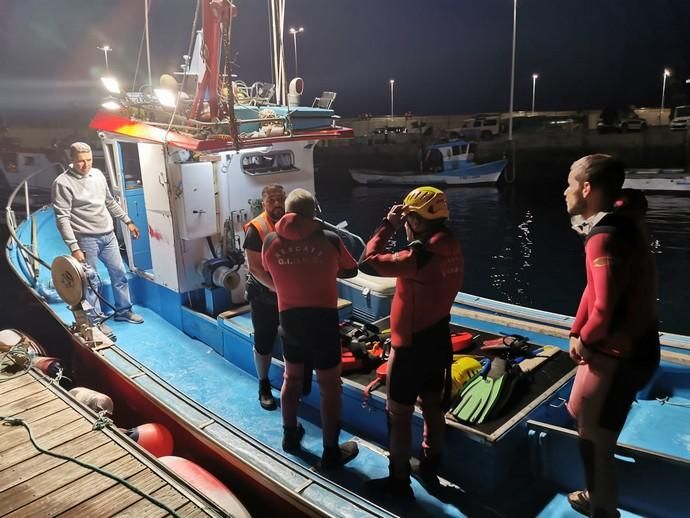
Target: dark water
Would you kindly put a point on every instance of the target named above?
(519, 246)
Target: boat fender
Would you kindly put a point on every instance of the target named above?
(206, 483)
(49, 366)
(96, 401)
(153, 437)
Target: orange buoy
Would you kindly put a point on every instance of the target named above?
(153, 437)
(206, 483)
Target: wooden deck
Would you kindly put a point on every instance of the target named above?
(35, 484)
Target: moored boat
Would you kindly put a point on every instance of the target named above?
(447, 163)
(658, 180)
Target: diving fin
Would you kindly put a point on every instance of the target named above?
(473, 398)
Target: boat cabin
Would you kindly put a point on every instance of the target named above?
(447, 156)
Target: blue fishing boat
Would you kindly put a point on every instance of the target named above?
(445, 164)
(190, 364)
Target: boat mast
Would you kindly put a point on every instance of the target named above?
(146, 31)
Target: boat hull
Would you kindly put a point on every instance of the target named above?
(483, 174)
(658, 180)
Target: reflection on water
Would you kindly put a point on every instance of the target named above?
(519, 247)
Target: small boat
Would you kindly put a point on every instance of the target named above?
(445, 163)
(658, 180)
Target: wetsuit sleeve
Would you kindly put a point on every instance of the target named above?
(348, 265)
(606, 279)
(581, 315)
(379, 262)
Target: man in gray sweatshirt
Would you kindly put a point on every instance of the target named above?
(84, 210)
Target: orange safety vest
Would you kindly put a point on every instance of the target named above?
(263, 224)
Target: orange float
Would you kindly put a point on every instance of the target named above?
(153, 437)
(206, 483)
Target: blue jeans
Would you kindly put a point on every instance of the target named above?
(105, 247)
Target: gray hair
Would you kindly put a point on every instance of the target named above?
(79, 147)
(302, 202)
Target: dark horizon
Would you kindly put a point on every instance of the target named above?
(446, 57)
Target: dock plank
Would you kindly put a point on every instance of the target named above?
(36, 484)
(11, 437)
(116, 498)
(26, 462)
(81, 489)
(42, 485)
(145, 509)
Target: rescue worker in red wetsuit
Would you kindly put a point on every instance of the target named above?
(614, 338)
(260, 291)
(429, 275)
(304, 261)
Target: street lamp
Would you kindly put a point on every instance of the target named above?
(534, 89)
(392, 82)
(512, 74)
(667, 73)
(294, 33)
(105, 49)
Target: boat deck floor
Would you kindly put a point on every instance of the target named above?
(36, 484)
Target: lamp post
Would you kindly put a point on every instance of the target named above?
(105, 49)
(534, 89)
(667, 73)
(512, 74)
(392, 82)
(294, 33)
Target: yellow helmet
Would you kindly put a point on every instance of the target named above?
(427, 202)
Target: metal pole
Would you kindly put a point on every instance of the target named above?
(294, 38)
(148, 50)
(512, 74)
(663, 94)
(534, 90)
(392, 83)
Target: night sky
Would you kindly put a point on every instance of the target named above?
(447, 56)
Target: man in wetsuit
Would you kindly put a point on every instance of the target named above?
(303, 261)
(614, 338)
(429, 275)
(260, 292)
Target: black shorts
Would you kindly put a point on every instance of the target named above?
(264, 319)
(422, 368)
(311, 335)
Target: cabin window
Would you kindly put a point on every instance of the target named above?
(456, 150)
(29, 161)
(477, 124)
(268, 163)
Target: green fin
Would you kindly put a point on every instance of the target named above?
(473, 399)
(496, 390)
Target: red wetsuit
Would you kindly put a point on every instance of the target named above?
(429, 276)
(617, 321)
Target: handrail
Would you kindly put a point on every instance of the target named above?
(9, 213)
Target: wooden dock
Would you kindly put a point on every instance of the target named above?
(35, 484)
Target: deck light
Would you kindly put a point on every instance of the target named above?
(112, 105)
(111, 84)
(166, 97)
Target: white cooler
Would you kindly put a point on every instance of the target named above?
(370, 296)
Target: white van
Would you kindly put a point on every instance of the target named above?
(681, 118)
(479, 128)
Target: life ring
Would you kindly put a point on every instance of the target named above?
(206, 483)
(153, 437)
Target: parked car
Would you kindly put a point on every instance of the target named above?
(681, 118)
(478, 128)
(611, 121)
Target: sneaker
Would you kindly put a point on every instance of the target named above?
(129, 316)
(266, 399)
(399, 489)
(337, 456)
(579, 501)
(106, 331)
(292, 437)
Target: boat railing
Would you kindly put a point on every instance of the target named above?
(29, 253)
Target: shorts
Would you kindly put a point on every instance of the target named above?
(265, 321)
(311, 335)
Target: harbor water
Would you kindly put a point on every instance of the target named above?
(519, 247)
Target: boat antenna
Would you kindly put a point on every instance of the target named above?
(277, 28)
(146, 31)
